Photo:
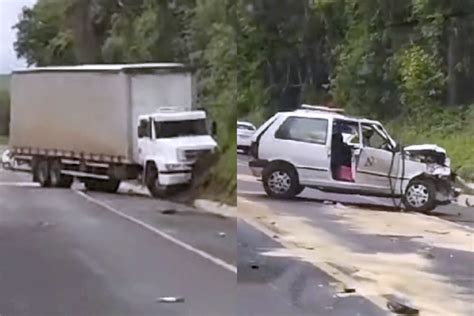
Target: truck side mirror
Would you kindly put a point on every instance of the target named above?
(214, 128)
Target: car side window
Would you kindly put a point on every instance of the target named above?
(303, 129)
(372, 138)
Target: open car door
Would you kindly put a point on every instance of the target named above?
(375, 159)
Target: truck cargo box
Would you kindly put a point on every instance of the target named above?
(92, 109)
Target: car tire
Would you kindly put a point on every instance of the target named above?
(280, 181)
(420, 195)
(58, 179)
(42, 173)
(152, 182)
(300, 189)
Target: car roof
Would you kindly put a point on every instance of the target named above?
(326, 115)
(245, 123)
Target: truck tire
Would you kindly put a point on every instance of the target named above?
(57, 179)
(42, 173)
(420, 195)
(152, 182)
(108, 186)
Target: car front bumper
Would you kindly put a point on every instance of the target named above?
(175, 177)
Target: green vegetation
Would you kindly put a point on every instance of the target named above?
(407, 63)
(4, 103)
(3, 140)
(4, 82)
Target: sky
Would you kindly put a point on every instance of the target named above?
(9, 12)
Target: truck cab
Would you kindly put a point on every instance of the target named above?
(169, 143)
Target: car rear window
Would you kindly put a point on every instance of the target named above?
(303, 129)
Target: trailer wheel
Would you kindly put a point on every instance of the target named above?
(57, 179)
(42, 173)
(152, 182)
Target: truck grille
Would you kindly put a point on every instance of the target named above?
(195, 154)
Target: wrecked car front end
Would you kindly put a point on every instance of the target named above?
(433, 163)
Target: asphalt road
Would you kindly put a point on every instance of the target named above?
(425, 260)
(65, 254)
(282, 286)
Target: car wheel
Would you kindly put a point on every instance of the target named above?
(299, 190)
(420, 195)
(280, 181)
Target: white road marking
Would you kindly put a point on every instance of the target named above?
(162, 234)
(246, 178)
(246, 192)
(19, 184)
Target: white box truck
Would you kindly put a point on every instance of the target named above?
(105, 123)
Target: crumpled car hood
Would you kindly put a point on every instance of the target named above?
(426, 147)
(428, 153)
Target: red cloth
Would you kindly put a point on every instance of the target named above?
(344, 173)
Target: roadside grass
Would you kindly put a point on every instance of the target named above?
(458, 144)
(222, 181)
(3, 140)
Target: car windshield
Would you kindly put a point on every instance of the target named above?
(170, 129)
(246, 127)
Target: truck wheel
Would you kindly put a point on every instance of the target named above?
(42, 173)
(420, 195)
(280, 181)
(57, 179)
(153, 184)
(108, 186)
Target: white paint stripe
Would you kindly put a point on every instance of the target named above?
(19, 184)
(162, 234)
(247, 178)
(244, 192)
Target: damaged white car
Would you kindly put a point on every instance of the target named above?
(321, 148)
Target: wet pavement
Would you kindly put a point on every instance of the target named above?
(287, 286)
(436, 250)
(64, 255)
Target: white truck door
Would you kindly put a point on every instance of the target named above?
(145, 139)
(305, 143)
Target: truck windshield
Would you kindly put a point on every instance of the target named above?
(170, 129)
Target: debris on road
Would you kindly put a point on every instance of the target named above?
(222, 234)
(254, 267)
(342, 289)
(168, 211)
(171, 299)
(401, 308)
(437, 232)
(327, 202)
(339, 205)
